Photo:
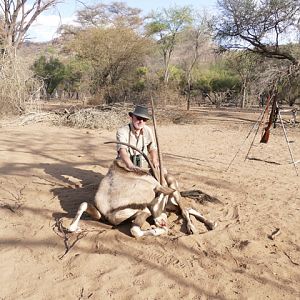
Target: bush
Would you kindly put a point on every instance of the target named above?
(19, 90)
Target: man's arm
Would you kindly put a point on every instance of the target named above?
(152, 148)
(122, 136)
(154, 158)
(125, 157)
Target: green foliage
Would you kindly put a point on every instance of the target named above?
(164, 26)
(51, 71)
(169, 21)
(176, 73)
(142, 71)
(156, 27)
(140, 84)
(216, 79)
(51, 50)
(74, 71)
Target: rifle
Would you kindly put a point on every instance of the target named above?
(272, 118)
(161, 180)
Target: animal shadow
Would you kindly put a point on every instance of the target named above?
(78, 185)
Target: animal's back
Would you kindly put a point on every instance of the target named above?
(120, 188)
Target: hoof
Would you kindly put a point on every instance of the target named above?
(158, 231)
(74, 228)
(211, 225)
(191, 229)
(136, 231)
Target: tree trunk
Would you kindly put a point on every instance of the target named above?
(243, 102)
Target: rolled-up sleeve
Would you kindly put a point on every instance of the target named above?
(151, 140)
(122, 136)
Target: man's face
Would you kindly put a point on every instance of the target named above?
(138, 122)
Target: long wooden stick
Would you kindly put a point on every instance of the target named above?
(157, 144)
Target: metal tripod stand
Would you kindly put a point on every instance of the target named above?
(257, 126)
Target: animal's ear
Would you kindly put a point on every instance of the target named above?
(164, 189)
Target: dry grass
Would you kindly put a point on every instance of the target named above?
(110, 117)
(18, 88)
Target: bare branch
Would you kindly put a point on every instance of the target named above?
(258, 26)
(19, 16)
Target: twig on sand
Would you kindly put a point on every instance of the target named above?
(53, 183)
(62, 232)
(289, 257)
(238, 264)
(274, 233)
(81, 294)
(17, 199)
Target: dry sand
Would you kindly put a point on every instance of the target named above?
(47, 171)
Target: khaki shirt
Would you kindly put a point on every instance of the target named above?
(144, 142)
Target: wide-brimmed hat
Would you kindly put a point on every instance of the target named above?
(140, 111)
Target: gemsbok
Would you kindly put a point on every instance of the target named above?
(136, 194)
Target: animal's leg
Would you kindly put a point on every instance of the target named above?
(140, 219)
(136, 231)
(175, 204)
(138, 222)
(189, 225)
(161, 221)
(93, 212)
(158, 205)
(84, 207)
(175, 201)
(209, 224)
(119, 216)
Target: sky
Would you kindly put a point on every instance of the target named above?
(44, 29)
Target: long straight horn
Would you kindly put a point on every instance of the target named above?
(157, 143)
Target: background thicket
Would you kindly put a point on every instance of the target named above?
(178, 56)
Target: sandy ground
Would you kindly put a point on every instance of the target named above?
(47, 171)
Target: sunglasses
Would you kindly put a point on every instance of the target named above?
(141, 119)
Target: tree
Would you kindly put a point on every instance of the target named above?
(51, 70)
(165, 26)
(18, 16)
(74, 82)
(259, 26)
(247, 66)
(217, 83)
(113, 54)
(116, 14)
(266, 27)
(193, 42)
(101, 15)
(1, 31)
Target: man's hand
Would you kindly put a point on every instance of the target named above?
(138, 170)
(156, 163)
(131, 166)
(154, 158)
